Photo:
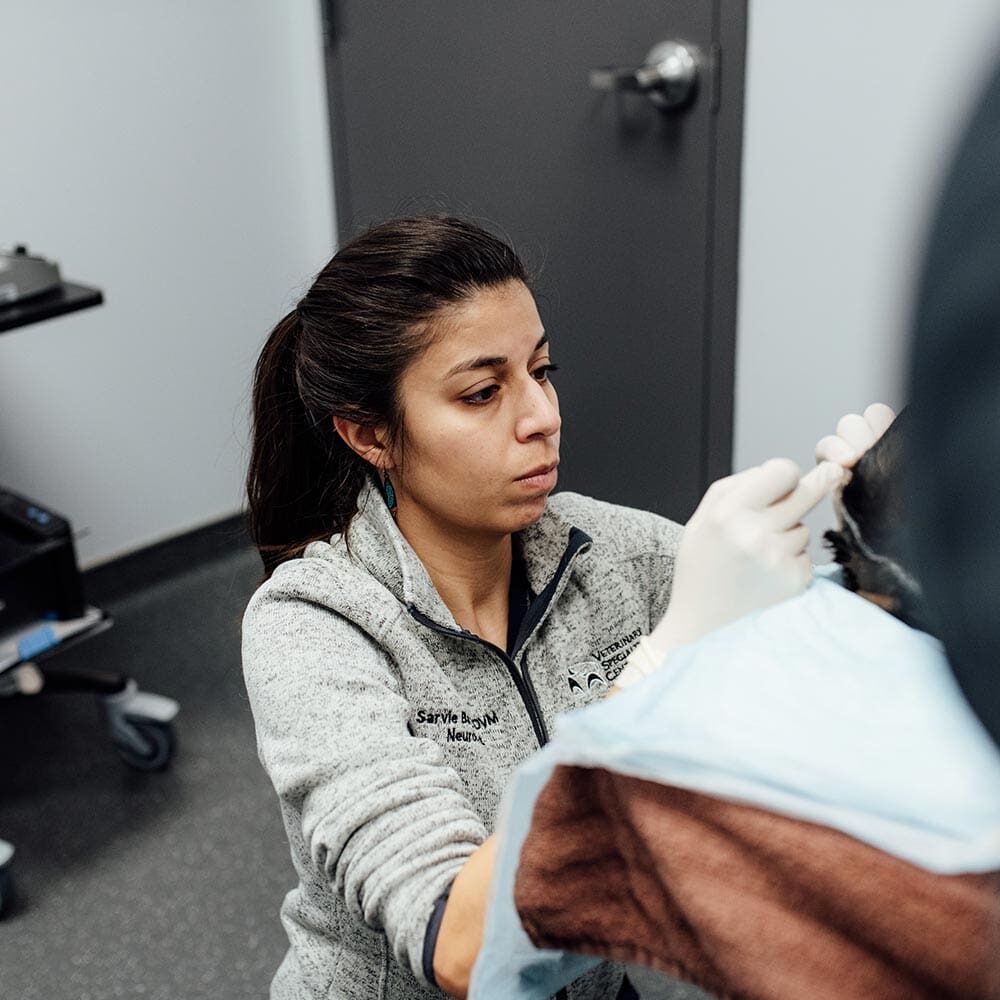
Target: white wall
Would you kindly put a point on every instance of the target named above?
(175, 155)
(850, 109)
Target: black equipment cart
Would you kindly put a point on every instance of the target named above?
(43, 609)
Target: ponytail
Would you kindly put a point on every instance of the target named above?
(299, 468)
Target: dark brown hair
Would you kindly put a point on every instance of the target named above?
(342, 351)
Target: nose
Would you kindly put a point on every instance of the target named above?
(538, 416)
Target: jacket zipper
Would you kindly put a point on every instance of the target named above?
(522, 679)
(524, 688)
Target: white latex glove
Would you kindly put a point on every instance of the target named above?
(743, 549)
(855, 435)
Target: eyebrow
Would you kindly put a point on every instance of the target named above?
(498, 362)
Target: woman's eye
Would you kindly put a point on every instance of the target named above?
(481, 396)
(542, 373)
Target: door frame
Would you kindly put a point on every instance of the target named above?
(729, 31)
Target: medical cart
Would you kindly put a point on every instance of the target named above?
(43, 610)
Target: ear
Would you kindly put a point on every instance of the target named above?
(365, 440)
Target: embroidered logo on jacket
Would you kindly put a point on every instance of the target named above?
(584, 681)
(609, 663)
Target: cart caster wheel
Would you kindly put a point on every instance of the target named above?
(150, 747)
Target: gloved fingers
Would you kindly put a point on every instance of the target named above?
(744, 548)
(795, 540)
(879, 417)
(856, 433)
(816, 484)
(760, 486)
(835, 449)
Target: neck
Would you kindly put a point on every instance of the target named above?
(471, 573)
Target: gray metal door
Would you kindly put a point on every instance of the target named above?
(630, 212)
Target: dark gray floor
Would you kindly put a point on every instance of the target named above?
(160, 886)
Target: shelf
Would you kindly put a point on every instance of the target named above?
(66, 299)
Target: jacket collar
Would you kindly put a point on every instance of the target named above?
(377, 543)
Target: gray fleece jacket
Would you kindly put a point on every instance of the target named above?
(389, 733)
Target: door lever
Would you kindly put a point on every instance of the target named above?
(669, 77)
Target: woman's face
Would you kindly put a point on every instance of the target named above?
(480, 419)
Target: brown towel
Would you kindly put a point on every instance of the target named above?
(746, 903)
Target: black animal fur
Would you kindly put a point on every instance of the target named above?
(870, 545)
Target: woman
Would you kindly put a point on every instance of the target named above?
(430, 608)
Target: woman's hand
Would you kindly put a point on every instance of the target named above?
(855, 435)
(745, 546)
(743, 549)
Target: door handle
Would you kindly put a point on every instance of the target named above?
(669, 76)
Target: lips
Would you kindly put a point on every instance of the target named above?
(539, 470)
(539, 481)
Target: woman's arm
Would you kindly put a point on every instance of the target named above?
(461, 933)
(370, 808)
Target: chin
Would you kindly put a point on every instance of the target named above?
(510, 517)
(530, 512)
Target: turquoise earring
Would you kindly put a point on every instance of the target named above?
(390, 494)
